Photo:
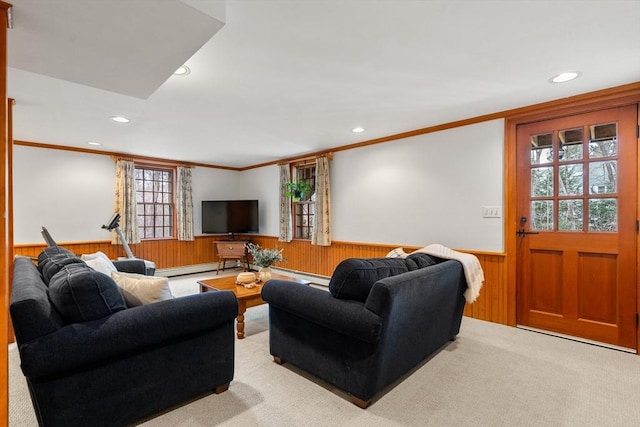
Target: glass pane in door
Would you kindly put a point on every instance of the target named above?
(541, 149)
(542, 215)
(603, 140)
(570, 180)
(570, 141)
(542, 181)
(603, 215)
(603, 177)
(570, 215)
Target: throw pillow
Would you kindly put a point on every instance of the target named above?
(138, 289)
(99, 261)
(82, 294)
(397, 253)
(354, 277)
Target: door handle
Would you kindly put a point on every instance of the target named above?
(522, 232)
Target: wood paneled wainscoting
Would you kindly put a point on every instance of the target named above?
(301, 257)
(166, 253)
(304, 257)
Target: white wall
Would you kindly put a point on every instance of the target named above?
(69, 193)
(212, 184)
(72, 194)
(426, 189)
(262, 184)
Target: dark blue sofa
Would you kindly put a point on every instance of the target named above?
(116, 365)
(380, 319)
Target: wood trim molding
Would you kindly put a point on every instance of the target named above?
(154, 160)
(10, 104)
(6, 249)
(624, 94)
(621, 94)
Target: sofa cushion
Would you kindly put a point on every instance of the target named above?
(52, 253)
(55, 263)
(82, 294)
(138, 289)
(99, 261)
(422, 260)
(354, 277)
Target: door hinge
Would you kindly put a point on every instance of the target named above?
(637, 319)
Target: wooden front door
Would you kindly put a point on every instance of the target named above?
(577, 197)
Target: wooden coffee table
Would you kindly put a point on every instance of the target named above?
(247, 297)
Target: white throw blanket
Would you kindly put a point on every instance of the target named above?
(470, 264)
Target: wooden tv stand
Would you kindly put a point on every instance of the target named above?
(231, 250)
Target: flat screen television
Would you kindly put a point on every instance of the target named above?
(229, 216)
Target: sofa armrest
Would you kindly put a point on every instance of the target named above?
(417, 291)
(127, 332)
(423, 304)
(320, 307)
(131, 266)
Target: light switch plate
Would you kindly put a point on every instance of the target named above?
(491, 212)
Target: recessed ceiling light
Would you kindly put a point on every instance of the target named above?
(120, 119)
(182, 71)
(97, 144)
(564, 77)
(357, 129)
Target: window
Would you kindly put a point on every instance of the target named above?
(155, 201)
(304, 208)
(575, 187)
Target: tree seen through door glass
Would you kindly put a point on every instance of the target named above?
(603, 215)
(570, 215)
(570, 180)
(603, 140)
(542, 181)
(542, 215)
(570, 145)
(562, 164)
(541, 149)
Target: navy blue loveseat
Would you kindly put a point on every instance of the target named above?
(381, 318)
(91, 361)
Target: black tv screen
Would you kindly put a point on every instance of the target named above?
(229, 216)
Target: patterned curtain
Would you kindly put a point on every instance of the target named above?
(184, 204)
(286, 230)
(321, 230)
(126, 204)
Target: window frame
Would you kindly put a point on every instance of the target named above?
(155, 167)
(304, 207)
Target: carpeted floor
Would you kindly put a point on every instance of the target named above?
(492, 375)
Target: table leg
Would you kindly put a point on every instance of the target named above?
(242, 308)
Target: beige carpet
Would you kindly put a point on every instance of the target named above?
(491, 375)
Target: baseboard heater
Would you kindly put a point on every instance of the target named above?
(188, 269)
(203, 268)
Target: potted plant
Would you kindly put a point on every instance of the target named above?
(299, 189)
(264, 258)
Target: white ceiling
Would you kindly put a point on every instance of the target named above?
(273, 79)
